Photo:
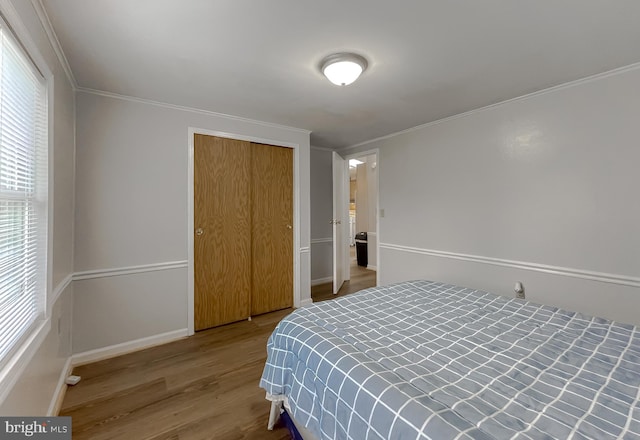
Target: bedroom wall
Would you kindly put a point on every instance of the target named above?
(131, 217)
(321, 214)
(542, 189)
(31, 388)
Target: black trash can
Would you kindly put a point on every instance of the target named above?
(361, 249)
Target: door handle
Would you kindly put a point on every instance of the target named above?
(289, 227)
(199, 231)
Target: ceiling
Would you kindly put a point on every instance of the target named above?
(259, 59)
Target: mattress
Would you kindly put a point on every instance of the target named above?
(427, 360)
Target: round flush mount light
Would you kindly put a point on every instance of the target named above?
(343, 68)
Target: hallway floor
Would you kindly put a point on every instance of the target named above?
(361, 278)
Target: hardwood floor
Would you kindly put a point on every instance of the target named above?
(197, 388)
(201, 387)
(361, 278)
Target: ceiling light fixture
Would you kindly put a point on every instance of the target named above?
(354, 163)
(343, 68)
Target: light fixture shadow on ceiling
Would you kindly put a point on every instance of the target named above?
(343, 68)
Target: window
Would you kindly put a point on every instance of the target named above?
(23, 195)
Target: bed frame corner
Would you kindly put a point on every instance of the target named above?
(274, 414)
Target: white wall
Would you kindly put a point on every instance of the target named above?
(35, 385)
(542, 190)
(321, 214)
(131, 215)
(38, 386)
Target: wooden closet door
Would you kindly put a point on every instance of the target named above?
(222, 231)
(272, 228)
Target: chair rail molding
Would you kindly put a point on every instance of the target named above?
(623, 280)
(129, 270)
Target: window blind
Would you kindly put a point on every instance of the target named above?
(23, 194)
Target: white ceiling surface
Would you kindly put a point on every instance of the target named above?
(259, 59)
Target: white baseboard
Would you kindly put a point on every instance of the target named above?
(61, 389)
(370, 267)
(321, 281)
(305, 302)
(100, 354)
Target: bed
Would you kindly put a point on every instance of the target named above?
(427, 360)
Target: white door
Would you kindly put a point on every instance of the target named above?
(340, 222)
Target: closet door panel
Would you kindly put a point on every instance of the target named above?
(222, 231)
(272, 228)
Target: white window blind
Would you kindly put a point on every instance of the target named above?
(23, 194)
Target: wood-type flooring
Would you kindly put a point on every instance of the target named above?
(196, 388)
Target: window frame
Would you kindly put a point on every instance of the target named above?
(23, 349)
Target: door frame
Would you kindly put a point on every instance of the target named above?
(341, 270)
(192, 131)
(375, 151)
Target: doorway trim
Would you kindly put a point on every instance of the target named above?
(192, 131)
(373, 151)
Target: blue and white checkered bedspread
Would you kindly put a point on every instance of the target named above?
(426, 360)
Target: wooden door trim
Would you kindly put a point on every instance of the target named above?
(297, 250)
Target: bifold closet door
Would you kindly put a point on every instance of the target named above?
(222, 231)
(272, 228)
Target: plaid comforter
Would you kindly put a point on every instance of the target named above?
(426, 360)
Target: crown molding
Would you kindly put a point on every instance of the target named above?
(313, 147)
(54, 41)
(552, 89)
(188, 109)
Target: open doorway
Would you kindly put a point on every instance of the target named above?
(348, 275)
(363, 219)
